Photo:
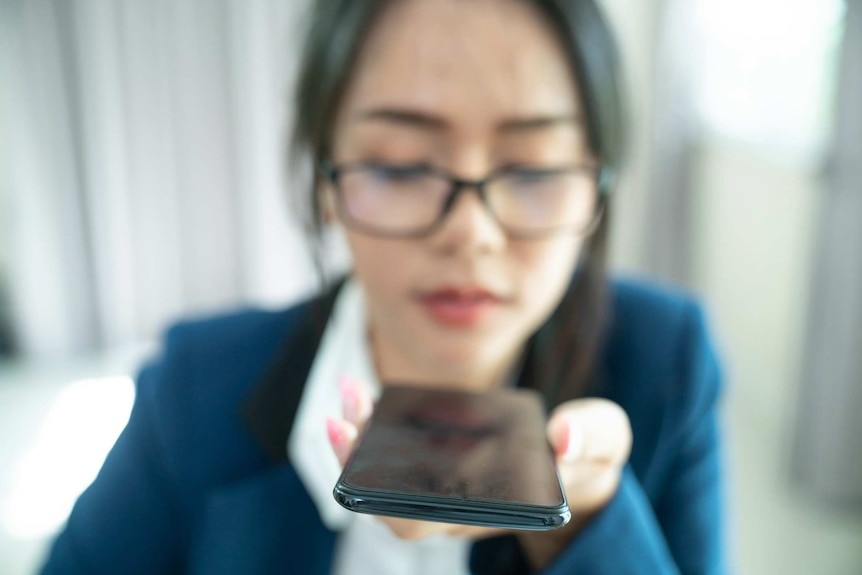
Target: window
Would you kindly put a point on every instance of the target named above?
(767, 73)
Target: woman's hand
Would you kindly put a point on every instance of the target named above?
(591, 438)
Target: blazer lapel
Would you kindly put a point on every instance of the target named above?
(270, 410)
(266, 523)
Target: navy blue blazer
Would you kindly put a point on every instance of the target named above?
(199, 481)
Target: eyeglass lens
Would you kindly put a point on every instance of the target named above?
(405, 200)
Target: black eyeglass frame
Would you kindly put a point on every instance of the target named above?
(604, 178)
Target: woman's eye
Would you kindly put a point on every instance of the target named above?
(529, 177)
(401, 173)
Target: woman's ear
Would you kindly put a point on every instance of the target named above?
(326, 197)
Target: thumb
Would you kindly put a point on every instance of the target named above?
(342, 437)
(594, 430)
(356, 402)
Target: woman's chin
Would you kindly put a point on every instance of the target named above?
(464, 360)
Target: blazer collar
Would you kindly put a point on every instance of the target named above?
(270, 410)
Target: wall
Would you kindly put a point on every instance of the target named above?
(635, 25)
(755, 220)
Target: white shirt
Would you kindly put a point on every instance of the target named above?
(366, 545)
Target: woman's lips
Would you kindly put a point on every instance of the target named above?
(459, 307)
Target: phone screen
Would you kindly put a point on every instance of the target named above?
(479, 446)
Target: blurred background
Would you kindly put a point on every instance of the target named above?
(142, 179)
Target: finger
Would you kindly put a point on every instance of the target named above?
(592, 430)
(356, 403)
(475, 533)
(589, 490)
(566, 437)
(342, 436)
(414, 530)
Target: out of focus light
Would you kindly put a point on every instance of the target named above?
(76, 435)
(768, 70)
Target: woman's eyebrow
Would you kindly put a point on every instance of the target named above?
(427, 121)
(404, 117)
(540, 122)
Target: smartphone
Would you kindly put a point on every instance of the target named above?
(456, 457)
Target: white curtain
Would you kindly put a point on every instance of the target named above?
(828, 459)
(144, 174)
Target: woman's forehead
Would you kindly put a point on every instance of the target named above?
(484, 59)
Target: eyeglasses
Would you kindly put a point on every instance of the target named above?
(412, 201)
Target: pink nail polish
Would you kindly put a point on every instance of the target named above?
(334, 432)
(575, 443)
(345, 383)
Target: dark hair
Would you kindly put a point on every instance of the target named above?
(562, 353)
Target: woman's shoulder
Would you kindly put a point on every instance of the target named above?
(249, 330)
(244, 334)
(661, 366)
(234, 330)
(207, 369)
(653, 320)
(660, 355)
(649, 300)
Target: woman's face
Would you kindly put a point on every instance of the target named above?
(469, 87)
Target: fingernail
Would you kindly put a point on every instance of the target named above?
(349, 398)
(575, 445)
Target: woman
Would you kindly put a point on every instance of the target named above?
(468, 149)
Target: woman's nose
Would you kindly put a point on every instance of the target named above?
(469, 225)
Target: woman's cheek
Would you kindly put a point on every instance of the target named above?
(372, 263)
(549, 273)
